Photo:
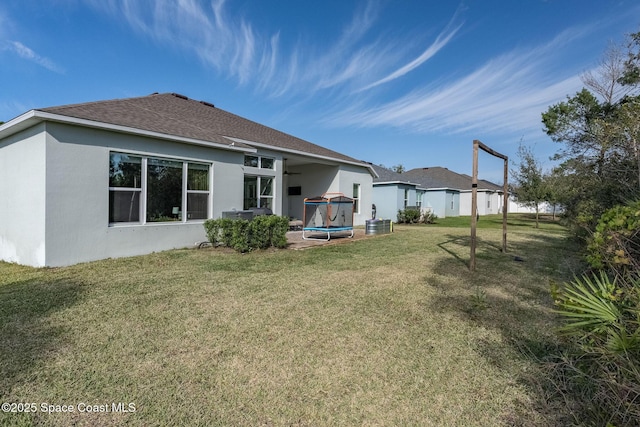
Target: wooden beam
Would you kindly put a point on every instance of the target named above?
(474, 199)
(490, 151)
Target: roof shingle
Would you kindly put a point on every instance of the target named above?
(439, 177)
(176, 115)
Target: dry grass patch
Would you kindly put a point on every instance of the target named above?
(383, 331)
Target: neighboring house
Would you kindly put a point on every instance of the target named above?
(450, 192)
(393, 192)
(131, 176)
(490, 198)
(442, 189)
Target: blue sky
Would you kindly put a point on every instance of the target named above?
(389, 82)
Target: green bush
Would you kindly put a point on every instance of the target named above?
(615, 244)
(260, 233)
(408, 216)
(429, 218)
(240, 235)
(279, 225)
(212, 229)
(602, 323)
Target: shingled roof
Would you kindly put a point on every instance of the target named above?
(176, 115)
(387, 175)
(439, 177)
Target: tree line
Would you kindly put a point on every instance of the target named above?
(598, 183)
(598, 129)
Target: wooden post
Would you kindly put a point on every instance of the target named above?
(474, 205)
(474, 199)
(505, 205)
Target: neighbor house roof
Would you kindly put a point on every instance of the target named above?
(387, 176)
(439, 177)
(174, 115)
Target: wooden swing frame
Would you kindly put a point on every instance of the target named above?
(474, 199)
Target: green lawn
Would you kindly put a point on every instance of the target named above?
(546, 222)
(392, 330)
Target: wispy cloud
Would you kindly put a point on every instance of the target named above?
(237, 49)
(218, 40)
(506, 94)
(26, 53)
(441, 41)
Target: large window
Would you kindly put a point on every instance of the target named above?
(164, 190)
(258, 192)
(148, 189)
(419, 200)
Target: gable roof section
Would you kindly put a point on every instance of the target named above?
(439, 177)
(387, 176)
(175, 115)
(483, 184)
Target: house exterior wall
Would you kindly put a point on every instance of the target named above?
(22, 190)
(349, 175)
(465, 203)
(77, 196)
(452, 207)
(443, 202)
(489, 203)
(436, 201)
(54, 181)
(389, 199)
(385, 197)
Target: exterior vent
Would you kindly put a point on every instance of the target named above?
(208, 104)
(177, 95)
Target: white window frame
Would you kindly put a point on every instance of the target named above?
(260, 159)
(419, 200)
(186, 191)
(259, 196)
(357, 188)
(144, 190)
(406, 198)
(141, 193)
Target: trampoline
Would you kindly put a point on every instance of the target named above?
(327, 214)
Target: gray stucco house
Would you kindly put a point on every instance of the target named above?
(131, 176)
(393, 192)
(449, 192)
(442, 189)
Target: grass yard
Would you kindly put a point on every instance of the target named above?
(391, 330)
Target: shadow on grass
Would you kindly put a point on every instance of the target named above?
(511, 296)
(27, 337)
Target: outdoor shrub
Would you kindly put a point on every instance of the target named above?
(602, 322)
(260, 233)
(278, 225)
(429, 218)
(408, 216)
(240, 235)
(615, 244)
(212, 228)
